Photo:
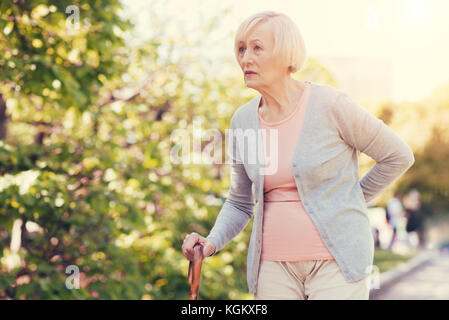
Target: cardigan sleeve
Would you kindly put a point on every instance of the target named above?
(238, 208)
(370, 135)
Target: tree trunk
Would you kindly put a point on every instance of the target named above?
(3, 118)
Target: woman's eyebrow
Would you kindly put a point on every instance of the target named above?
(252, 40)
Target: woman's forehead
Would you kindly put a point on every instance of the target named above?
(261, 32)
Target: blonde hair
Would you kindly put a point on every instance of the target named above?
(288, 41)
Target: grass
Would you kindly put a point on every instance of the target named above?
(386, 260)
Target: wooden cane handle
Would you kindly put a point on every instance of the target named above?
(195, 271)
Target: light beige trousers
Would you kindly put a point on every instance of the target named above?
(307, 280)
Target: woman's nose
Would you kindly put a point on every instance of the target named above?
(246, 58)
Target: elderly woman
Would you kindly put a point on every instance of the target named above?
(311, 237)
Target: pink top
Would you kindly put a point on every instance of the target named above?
(288, 233)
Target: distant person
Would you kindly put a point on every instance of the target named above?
(414, 226)
(395, 215)
(376, 236)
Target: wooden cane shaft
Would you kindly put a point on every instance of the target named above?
(194, 276)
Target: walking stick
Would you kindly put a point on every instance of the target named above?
(195, 271)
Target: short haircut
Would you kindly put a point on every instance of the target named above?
(288, 41)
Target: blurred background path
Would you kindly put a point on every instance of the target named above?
(427, 282)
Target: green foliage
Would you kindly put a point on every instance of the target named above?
(86, 177)
(386, 260)
(41, 55)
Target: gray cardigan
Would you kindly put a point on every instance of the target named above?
(325, 168)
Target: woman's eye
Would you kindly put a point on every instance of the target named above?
(255, 47)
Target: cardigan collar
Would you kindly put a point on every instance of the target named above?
(255, 123)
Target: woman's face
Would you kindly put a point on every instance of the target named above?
(255, 53)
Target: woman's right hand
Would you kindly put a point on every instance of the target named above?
(190, 241)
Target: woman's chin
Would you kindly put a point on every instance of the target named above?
(250, 84)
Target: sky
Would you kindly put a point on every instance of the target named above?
(413, 34)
